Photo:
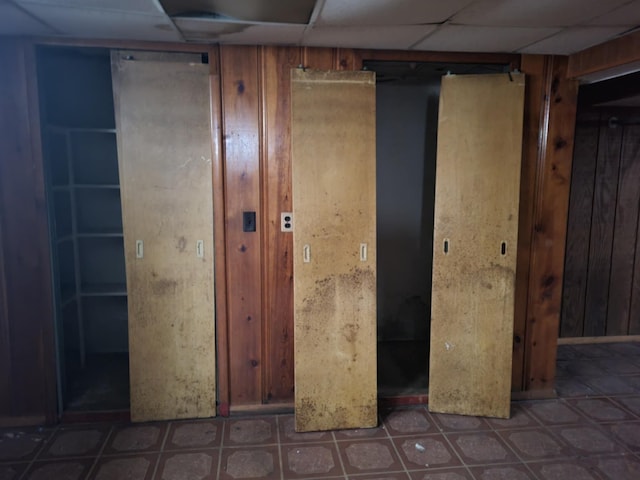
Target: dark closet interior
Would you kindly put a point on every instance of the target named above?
(601, 295)
(407, 96)
(85, 220)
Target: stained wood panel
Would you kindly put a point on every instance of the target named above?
(27, 360)
(164, 153)
(602, 223)
(333, 154)
(277, 63)
(475, 239)
(241, 133)
(602, 249)
(625, 242)
(551, 200)
(579, 227)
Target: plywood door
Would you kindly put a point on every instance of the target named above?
(475, 239)
(164, 149)
(334, 246)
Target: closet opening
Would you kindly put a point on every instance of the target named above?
(407, 97)
(85, 228)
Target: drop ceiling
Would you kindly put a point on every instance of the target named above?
(528, 26)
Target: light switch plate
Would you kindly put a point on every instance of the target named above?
(286, 222)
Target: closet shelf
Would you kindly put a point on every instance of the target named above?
(100, 234)
(63, 129)
(104, 290)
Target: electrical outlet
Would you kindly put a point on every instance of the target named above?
(286, 222)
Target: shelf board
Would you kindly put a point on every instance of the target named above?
(104, 290)
(58, 128)
(97, 186)
(100, 234)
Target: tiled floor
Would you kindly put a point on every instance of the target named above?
(591, 432)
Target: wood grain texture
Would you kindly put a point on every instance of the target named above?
(320, 58)
(625, 241)
(579, 226)
(219, 234)
(634, 309)
(476, 210)
(277, 63)
(533, 67)
(602, 224)
(334, 207)
(616, 53)
(551, 199)
(26, 315)
(241, 124)
(164, 154)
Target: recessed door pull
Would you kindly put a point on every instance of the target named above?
(306, 254)
(200, 249)
(503, 248)
(139, 249)
(446, 246)
(363, 252)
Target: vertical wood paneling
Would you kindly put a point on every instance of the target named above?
(634, 309)
(219, 235)
(277, 63)
(579, 227)
(549, 232)
(26, 318)
(320, 58)
(241, 132)
(533, 66)
(624, 234)
(602, 222)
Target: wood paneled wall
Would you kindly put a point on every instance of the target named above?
(254, 305)
(602, 281)
(27, 363)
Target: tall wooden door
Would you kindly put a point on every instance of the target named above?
(334, 247)
(475, 243)
(164, 152)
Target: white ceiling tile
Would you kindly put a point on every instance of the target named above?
(534, 13)
(195, 29)
(388, 12)
(84, 23)
(393, 37)
(482, 39)
(573, 40)
(628, 14)
(14, 21)
(134, 6)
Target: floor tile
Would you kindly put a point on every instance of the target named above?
(443, 474)
(599, 409)
(12, 471)
(573, 387)
(130, 467)
(623, 467)
(76, 442)
(502, 472)
(628, 433)
(426, 451)
(610, 385)
(288, 434)
(618, 365)
(565, 470)
(22, 444)
(536, 444)
(191, 465)
(587, 440)
(630, 403)
(368, 456)
(459, 423)
(553, 412)
(262, 462)
(311, 461)
(194, 434)
(408, 422)
(585, 367)
(384, 476)
(75, 469)
(481, 448)
(251, 431)
(136, 438)
(519, 419)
